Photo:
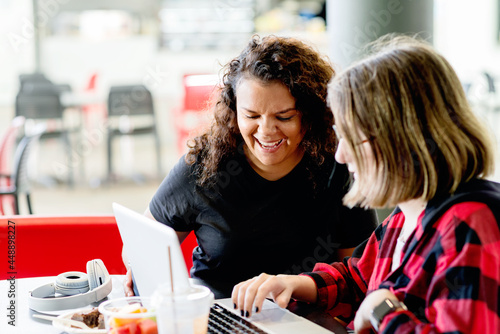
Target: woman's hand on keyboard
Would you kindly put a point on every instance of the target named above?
(250, 295)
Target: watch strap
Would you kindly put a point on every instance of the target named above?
(384, 308)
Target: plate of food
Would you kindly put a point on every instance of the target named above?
(90, 317)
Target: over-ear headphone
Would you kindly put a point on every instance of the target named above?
(73, 289)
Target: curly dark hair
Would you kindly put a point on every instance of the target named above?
(269, 59)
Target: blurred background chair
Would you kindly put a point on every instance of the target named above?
(192, 115)
(131, 113)
(482, 89)
(40, 101)
(29, 80)
(491, 82)
(7, 149)
(17, 182)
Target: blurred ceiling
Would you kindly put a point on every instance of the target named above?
(144, 7)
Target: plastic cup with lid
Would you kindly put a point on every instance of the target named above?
(182, 312)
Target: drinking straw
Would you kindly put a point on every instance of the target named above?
(172, 289)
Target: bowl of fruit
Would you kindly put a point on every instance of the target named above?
(129, 315)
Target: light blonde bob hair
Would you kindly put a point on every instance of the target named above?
(408, 101)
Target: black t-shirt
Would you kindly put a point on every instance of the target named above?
(246, 225)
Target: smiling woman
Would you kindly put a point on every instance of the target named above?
(261, 189)
(303, 75)
(270, 126)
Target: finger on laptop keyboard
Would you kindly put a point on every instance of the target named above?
(256, 292)
(238, 294)
(275, 287)
(244, 293)
(252, 290)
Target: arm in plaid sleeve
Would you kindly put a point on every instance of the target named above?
(459, 275)
(342, 286)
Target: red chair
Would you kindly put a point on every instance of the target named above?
(19, 180)
(192, 115)
(94, 109)
(48, 246)
(92, 84)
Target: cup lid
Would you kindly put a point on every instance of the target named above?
(164, 294)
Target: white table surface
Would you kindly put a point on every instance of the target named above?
(24, 321)
(26, 324)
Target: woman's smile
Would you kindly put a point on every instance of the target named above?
(269, 146)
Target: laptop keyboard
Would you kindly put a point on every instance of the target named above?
(222, 321)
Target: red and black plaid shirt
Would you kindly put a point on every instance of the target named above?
(449, 277)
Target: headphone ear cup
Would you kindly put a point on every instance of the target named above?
(72, 283)
(97, 273)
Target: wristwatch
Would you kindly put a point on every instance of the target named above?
(383, 309)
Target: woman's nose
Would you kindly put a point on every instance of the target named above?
(340, 154)
(267, 125)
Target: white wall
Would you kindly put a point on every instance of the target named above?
(465, 32)
(16, 46)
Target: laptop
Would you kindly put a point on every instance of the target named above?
(152, 250)
(154, 253)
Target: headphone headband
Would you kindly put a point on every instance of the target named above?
(38, 300)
